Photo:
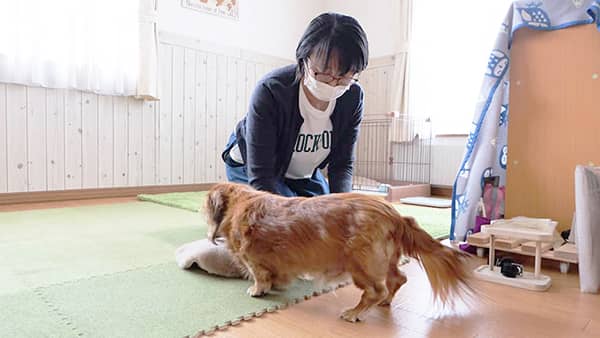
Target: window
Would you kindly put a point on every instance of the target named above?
(82, 44)
(450, 46)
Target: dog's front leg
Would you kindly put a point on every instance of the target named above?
(262, 280)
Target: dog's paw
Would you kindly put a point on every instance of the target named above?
(387, 301)
(350, 316)
(255, 291)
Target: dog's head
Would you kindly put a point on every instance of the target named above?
(220, 197)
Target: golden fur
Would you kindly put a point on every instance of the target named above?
(279, 238)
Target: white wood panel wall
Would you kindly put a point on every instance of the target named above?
(373, 149)
(65, 139)
(53, 139)
(446, 156)
(376, 81)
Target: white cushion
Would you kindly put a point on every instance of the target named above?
(587, 230)
(214, 259)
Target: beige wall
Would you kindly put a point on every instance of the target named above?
(554, 119)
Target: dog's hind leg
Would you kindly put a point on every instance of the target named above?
(374, 292)
(394, 280)
(262, 280)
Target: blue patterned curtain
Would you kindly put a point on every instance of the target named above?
(486, 152)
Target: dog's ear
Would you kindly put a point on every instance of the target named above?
(216, 205)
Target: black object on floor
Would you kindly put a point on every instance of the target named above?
(508, 267)
(565, 234)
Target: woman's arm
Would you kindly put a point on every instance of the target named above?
(261, 140)
(342, 162)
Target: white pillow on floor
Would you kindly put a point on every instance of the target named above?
(214, 259)
(587, 229)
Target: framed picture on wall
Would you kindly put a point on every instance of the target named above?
(224, 8)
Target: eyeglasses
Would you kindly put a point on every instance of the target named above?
(328, 78)
(340, 80)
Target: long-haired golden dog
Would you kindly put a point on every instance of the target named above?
(280, 238)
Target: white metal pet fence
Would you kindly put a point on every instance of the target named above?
(392, 150)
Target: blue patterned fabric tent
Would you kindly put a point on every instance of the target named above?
(486, 152)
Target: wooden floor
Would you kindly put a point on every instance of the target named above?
(498, 311)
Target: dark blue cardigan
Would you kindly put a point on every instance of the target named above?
(267, 134)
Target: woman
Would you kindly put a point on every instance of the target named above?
(302, 118)
(306, 116)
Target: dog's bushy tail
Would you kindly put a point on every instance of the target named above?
(446, 268)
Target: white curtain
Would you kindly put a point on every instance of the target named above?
(401, 129)
(147, 82)
(88, 45)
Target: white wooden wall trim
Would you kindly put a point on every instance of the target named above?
(95, 193)
(192, 43)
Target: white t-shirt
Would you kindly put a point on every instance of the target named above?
(236, 154)
(312, 144)
(314, 139)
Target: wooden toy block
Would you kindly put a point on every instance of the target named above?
(529, 247)
(567, 251)
(509, 243)
(478, 239)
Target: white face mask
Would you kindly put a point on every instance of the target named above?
(323, 91)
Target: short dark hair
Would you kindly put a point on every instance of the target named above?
(333, 31)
